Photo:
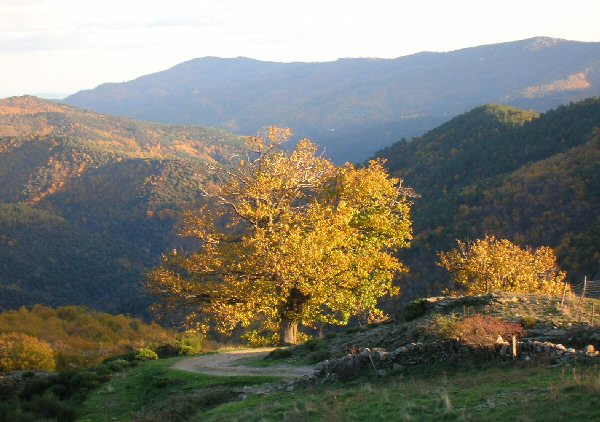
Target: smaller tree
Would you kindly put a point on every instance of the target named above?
(23, 352)
(498, 264)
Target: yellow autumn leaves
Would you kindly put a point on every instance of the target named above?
(288, 239)
(492, 264)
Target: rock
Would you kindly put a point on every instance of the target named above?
(400, 350)
(571, 350)
(383, 355)
(560, 347)
(589, 349)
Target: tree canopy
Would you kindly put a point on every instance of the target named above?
(287, 238)
(497, 264)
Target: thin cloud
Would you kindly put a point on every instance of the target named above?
(184, 21)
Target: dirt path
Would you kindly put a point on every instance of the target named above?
(231, 363)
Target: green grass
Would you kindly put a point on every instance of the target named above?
(153, 391)
(261, 362)
(488, 393)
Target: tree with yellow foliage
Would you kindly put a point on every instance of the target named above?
(288, 239)
(22, 352)
(497, 264)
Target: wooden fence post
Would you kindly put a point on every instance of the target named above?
(592, 318)
(582, 296)
(562, 301)
(514, 346)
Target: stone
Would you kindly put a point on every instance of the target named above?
(589, 349)
(383, 355)
(571, 350)
(560, 347)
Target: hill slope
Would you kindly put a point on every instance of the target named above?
(508, 172)
(91, 200)
(365, 103)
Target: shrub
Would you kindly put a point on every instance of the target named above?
(315, 350)
(49, 406)
(355, 329)
(478, 331)
(191, 343)
(414, 310)
(161, 382)
(145, 354)
(168, 351)
(483, 330)
(84, 380)
(12, 410)
(319, 355)
(257, 338)
(36, 386)
(446, 326)
(23, 352)
(129, 357)
(277, 354)
(314, 344)
(118, 365)
(184, 406)
(529, 321)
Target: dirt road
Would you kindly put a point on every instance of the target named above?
(231, 363)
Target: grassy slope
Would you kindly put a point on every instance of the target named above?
(152, 391)
(429, 394)
(457, 390)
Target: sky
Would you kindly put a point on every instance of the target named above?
(52, 48)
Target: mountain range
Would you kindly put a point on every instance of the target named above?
(354, 107)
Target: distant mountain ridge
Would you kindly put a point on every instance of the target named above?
(354, 107)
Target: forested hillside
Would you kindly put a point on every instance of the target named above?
(507, 172)
(354, 107)
(88, 202)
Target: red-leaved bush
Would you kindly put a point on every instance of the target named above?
(478, 331)
(482, 331)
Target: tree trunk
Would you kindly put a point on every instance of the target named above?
(289, 331)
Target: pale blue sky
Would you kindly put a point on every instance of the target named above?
(57, 47)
